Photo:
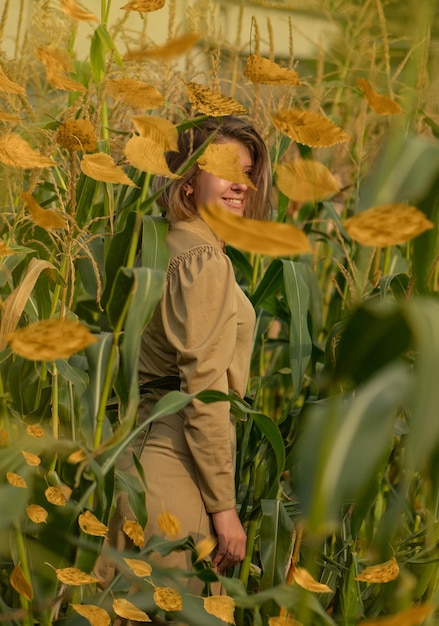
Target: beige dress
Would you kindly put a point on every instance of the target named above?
(202, 331)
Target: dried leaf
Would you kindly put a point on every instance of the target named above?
(20, 583)
(16, 480)
(222, 607)
(9, 86)
(76, 457)
(45, 218)
(168, 599)
(134, 531)
(35, 431)
(36, 513)
(134, 93)
(90, 525)
(127, 610)
(212, 102)
(77, 135)
(101, 166)
(409, 617)
(169, 523)
(283, 621)
(144, 6)
(138, 567)
(163, 132)
(380, 573)
(309, 128)
(49, 340)
(94, 614)
(222, 160)
(147, 156)
(64, 82)
(54, 495)
(74, 576)
(306, 180)
(31, 459)
(378, 103)
(5, 250)
(257, 236)
(387, 225)
(73, 10)
(170, 49)
(205, 547)
(266, 72)
(55, 59)
(5, 116)
(3, 437)
(305, 580)
(16, 152)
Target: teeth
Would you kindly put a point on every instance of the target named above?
(233, 200)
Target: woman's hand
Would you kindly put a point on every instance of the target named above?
(231, 540)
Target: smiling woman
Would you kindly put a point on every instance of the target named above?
(200, 337)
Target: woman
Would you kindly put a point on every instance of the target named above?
(201, 335)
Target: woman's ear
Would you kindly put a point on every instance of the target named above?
(188, 189)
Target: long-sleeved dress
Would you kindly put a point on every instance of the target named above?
(202, 332)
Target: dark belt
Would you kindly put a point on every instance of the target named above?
(170, 383)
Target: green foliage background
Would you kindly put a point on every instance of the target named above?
(338, 447)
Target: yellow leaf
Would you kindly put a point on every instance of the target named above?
(283, 621)
(305, 580)
(378, 103)
(74, 576)
(100, 166)
(135, 93)
(170, 49)
(161, 131)
(16, 152)
(138, 567)
(54, 495)
(77, 135)
(309, 128)
(94, 614)
(45, 218)
(16, 480)
(20, 583)
(55, 59)
(147, 156)
(134, 531)
(9, 86)
(387, 225)
(31, 459)
(90, 525)
(205, 547)
(144, 6)
(257, 236)
(222, 607)
(211, 102)
(305, 180)
(35, 431)
(380, 573)
(71, 8)
(169, 523)
(168, 599)
(36, 513)
(127, 610)
(5, 250)
(64, 82)
(76, 457)
(409, 617)
(49, 340)
(222, 160)
(5, 116)
(260, 70)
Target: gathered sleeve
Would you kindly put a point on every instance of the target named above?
(199, 312)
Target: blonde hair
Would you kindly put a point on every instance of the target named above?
(173, 199)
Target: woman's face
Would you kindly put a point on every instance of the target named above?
(210, 190)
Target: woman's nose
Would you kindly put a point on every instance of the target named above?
(240, 186)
